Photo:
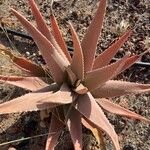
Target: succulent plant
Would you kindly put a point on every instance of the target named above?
(73, 88)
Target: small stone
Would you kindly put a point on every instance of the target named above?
(28, 53)
(34, 54)
(128, 147)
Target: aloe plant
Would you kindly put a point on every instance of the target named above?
(75, 88)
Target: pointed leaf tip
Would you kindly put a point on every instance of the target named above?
(22, 63)
(58, 36)
(29, 83)
(77, 64)
(90, 39)
(43, 28)
(116, 109)
(105, 57)
(54, 60)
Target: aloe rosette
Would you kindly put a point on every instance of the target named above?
(75, 88)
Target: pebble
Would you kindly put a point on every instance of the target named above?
(28, 53)
(128, 147)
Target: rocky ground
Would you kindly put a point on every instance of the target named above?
(120, 14)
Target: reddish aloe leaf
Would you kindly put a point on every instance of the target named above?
(54, 60)
(130, 61)
(28, 102)
(64, 93)
(29, 83)
(29, 67)
(90, 39)
(97, 133)
(42, 27)
(58, 37)
(104, 58)
(88, 107)
(71, 75)
(52, 87)
(77, 64)
(80, 89)
(116, 109)
(75, 128)
(56, 127)
(37, 101)
(96, 78)
(114, 88)
(133, 59)
(23, 63)
(41, 24)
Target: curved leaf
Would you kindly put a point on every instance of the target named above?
(116, 109)
(115, 88)
(29, 83)
(54, 60)
(75, 128)
(23, 63)
(97, 133)
(37, 101)
(133, 59)
(90, 39)
(105, 57)
(55, 129)
(77, 64)
(88, 107)
(130, 61)
(96, 78)
(43, 28)
(58, 37)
